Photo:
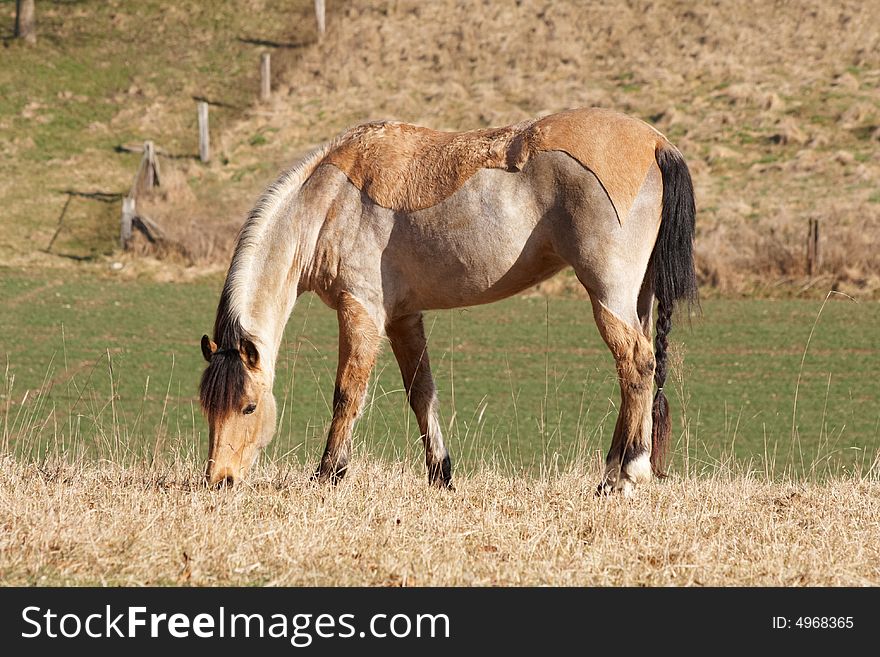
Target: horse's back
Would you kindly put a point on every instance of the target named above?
(512, 207)
(406, 167)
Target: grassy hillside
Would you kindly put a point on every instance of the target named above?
(775, 109)
(107, 74)
(774, 105)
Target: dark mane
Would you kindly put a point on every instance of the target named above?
(222, 385)
(228, 330)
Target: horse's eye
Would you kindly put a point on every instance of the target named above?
(250, 408)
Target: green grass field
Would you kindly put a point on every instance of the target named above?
(111, 366)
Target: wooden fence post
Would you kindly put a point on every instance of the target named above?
(128, 214)
(151, 166)
(814, 259)
(145, 179)
(24, 21)
(320, 16)
(147, 175)
(265, 77)
(204, 139)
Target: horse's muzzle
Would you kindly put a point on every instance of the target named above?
(219, 477)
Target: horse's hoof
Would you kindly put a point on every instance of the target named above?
(440, 474)
(622, 486)
(637, 470)
(332, 477)
(442, 484)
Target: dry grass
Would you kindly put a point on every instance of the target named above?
(102, 523)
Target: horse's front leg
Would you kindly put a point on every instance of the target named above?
(358, 346)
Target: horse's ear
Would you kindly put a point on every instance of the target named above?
(249, 353)
(208, 347)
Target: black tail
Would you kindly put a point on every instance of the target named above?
(672, 264)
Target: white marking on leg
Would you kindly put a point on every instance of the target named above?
(638, 470)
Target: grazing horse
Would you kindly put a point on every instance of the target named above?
(390, 219)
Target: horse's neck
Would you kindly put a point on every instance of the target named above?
(268, 270)
(275, 248)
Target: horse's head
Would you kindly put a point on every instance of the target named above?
(236, 396)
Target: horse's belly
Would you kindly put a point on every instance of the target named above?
(485, 242)
(455, 283)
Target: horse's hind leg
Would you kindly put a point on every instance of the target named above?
(358, 347)
(407, 335)
(629, 459)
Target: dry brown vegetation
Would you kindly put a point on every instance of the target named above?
(776, 106)
(101, 523)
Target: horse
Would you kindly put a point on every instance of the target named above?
(390, 219)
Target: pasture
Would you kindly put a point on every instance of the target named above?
(775, 455)
(106, 366)
(104, 450)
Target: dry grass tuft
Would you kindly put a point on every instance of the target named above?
(103, 523)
